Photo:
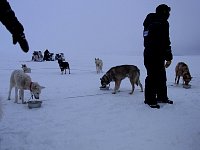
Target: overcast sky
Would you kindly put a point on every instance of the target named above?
(77, 26)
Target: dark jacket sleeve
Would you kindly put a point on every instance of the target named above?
(167, 44)
(8, 18)
(168, 54)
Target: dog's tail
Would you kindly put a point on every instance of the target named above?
(136, 75)
(137, 78)
(138, 81)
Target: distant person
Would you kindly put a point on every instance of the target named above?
(10, 21)
(46, 55)
(40, 55)
(157, 56)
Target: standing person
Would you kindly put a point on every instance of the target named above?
(10, 21)
(157, 55)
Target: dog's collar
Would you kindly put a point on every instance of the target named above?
(109, 77)
(30, 86)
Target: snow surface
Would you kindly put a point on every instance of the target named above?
(76, 115)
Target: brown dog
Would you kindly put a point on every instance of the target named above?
(118, 73)
(182, 70)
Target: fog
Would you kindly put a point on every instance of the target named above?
(87, 26)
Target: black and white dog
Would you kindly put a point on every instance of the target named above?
(26, 69)
(63, 66)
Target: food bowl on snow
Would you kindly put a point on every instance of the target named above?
(34, 104)
(104, 87)
(186, 86)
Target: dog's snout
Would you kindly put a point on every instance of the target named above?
(36, 96)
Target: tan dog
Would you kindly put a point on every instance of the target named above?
(118, 73)
(99, 65)
(22, 81)
(182, 70)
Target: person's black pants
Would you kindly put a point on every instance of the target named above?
(155, 83)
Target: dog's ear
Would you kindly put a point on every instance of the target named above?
(100, 78)
(42, 87)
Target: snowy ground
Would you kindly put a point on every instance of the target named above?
(76, 115)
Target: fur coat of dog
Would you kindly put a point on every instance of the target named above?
(99, 65)
(22, 81)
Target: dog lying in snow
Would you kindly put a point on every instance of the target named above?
(21, 82)
(26, 69)
(99, 65)
(182, 70)
(63, 66)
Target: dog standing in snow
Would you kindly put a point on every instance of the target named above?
(118, 73)
(26, 69)
(182, 70)
(21, 82)
(63, 66)
(99, 65)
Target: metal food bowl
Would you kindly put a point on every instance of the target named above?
(104, 88)
(34, 104)
(186, 86)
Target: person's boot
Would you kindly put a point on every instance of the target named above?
(165, 101)
(152, 105)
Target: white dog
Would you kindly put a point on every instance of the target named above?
(21, 82)
(99, 65)
(26, 69)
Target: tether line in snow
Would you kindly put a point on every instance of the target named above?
(89, 95)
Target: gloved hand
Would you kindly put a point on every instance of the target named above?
(21, 39)
(168, 63)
